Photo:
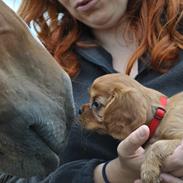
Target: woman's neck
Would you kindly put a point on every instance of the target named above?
(112, 40)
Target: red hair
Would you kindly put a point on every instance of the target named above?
(156, 26)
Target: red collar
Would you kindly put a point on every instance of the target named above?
(159, 114)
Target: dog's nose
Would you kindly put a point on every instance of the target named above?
(80, 111)
(84, 108)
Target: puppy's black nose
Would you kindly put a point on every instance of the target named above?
(80, 111)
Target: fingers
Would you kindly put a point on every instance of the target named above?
(167, 178)
(133, 142)
(178, 172)
(130, 152)
(174, 163)
(174, 166)
(137, 181)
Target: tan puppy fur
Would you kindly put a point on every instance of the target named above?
(119, 104)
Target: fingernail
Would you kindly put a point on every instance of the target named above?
(163, 177)
(142, 131)
(137, 181)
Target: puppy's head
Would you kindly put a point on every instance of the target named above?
(116, 107)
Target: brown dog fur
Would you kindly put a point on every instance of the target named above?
(119, 104)
(36, 102)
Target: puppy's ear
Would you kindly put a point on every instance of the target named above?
(126, 105)
(115, 101)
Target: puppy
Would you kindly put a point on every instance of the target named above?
(119, 104)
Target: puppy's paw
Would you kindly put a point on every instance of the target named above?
(150, 176)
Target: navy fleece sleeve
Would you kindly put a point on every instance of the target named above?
(80, 171)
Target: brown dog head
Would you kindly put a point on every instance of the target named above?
(117, 106)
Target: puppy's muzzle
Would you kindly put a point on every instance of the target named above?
(80, 111)
(84, 108)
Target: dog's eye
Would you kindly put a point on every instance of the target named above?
(96, 105)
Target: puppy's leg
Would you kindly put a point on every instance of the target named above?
(154, 157)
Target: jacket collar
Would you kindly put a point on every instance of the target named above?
(102, 58)
(98, 56)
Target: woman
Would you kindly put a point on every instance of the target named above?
(142, 38)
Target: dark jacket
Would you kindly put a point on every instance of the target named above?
(86, 149)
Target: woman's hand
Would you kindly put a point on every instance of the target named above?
(174, 163)
(166, 178)
(130, 152)
(173, 167)
(126, 168)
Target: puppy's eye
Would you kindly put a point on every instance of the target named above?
(96, 105)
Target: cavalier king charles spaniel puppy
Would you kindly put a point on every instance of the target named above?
(119, 104)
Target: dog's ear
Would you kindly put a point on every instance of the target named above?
(115, 102)
(127, 105)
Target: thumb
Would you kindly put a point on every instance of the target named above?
(133, 142)
(170, 179)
